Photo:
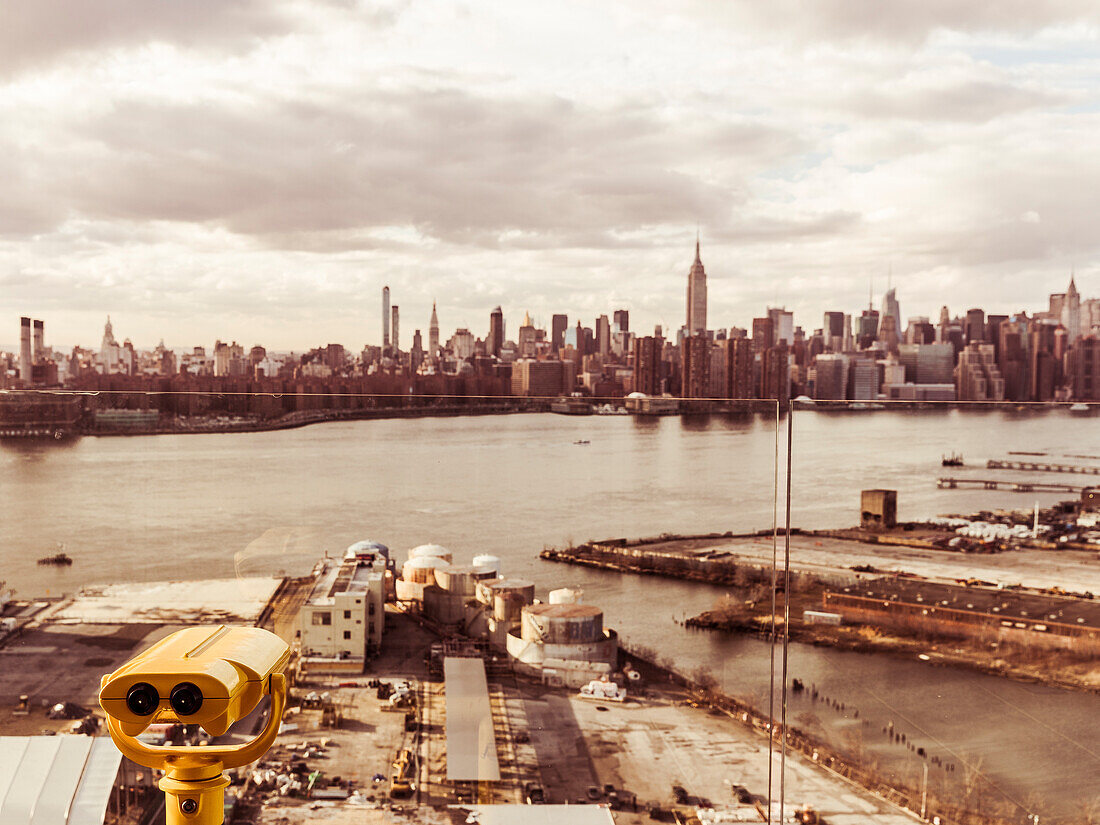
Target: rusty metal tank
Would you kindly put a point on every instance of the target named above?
(457, 580)
(562, 624)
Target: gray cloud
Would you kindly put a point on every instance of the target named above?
(38, 32)
(459, 168)
(970, 101)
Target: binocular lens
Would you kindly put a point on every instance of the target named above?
(185, 699)
(142, 699)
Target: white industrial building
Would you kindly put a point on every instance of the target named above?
(342, 622)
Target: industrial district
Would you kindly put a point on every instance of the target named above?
(436, 689)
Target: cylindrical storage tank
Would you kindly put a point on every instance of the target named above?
(483, 590)
(457, 580)
(367, 546)
(432, 551)
(566, 595)
(562, 624)
(517, 592)
(422, 570)
(487, 566)
(508, 606)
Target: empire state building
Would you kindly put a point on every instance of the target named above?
(697, 296)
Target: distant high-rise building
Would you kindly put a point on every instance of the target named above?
(416, 354)
(558, 325)
(782, 325)
(527, 338)
(695, 353)
(109, 350)
(868, 327)
(975, 328)
(39, 353)
(622, 320)
(647, 365)
(834, 325)
(1071, 313)
(775, 374)
(496, 332)
(890, 309)
(433, 335)
(763, 334)
(385, 319)
(739, 364)
(697, 296)
(1083, 369)
(603, 336)
(26, 358)
(394, 328)
(977, 377)
(831, 381)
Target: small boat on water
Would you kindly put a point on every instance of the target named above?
(582, 442)
(953, 460)
(59, 559)
(1079, 409)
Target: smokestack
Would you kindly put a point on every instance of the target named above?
(396, 345)
(39, 352)
(385, 318)
(25, 361)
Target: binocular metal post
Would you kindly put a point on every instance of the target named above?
(194, 781)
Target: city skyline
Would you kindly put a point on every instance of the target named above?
(253, 171)
(543, 320)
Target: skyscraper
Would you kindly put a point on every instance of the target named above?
(622, 320)
(433, 335)
(496, 331)
(39, 352)
(697, 296)
(891, 309)
(25, 357)
(603, 336)
(395, 340)
(558, 325)
(1071, 312)
(385, 318)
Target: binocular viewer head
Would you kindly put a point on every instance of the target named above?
(204, 676)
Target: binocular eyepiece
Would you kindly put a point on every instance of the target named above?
(185, 698)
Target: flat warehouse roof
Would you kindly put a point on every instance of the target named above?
(471, 740)
(56, 780)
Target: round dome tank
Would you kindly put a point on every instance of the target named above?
(562, 624)
(487, 566)
(457, 580)
(566, 595)
(422, 570)
(431, 550)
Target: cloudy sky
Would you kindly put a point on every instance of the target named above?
(258, 169)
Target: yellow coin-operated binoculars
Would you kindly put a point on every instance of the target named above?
(207, 676)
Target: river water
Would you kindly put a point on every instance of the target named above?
(219, 505)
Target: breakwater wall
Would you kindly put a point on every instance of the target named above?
(717, 566)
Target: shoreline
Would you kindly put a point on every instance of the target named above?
(940, 650)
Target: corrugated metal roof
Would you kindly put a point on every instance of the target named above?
(56, 780)
(471, 741)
